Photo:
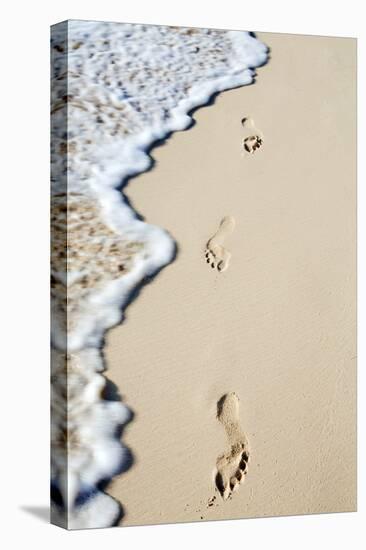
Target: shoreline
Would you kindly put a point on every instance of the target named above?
(111, 122)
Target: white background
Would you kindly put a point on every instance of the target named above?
(24, 203)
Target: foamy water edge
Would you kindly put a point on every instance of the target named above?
(94, 174)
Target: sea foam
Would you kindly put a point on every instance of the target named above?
(115, 90)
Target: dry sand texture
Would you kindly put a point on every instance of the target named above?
(274, 328)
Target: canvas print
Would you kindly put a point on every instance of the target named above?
(203, 274)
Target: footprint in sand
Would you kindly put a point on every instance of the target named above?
(253, 139)
(232, 466)
(216, 254)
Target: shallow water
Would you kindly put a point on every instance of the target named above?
(116, 89)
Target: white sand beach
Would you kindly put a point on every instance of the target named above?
(276, 328)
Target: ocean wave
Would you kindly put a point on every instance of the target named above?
(115, 90)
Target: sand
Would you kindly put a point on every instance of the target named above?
(274, 330)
